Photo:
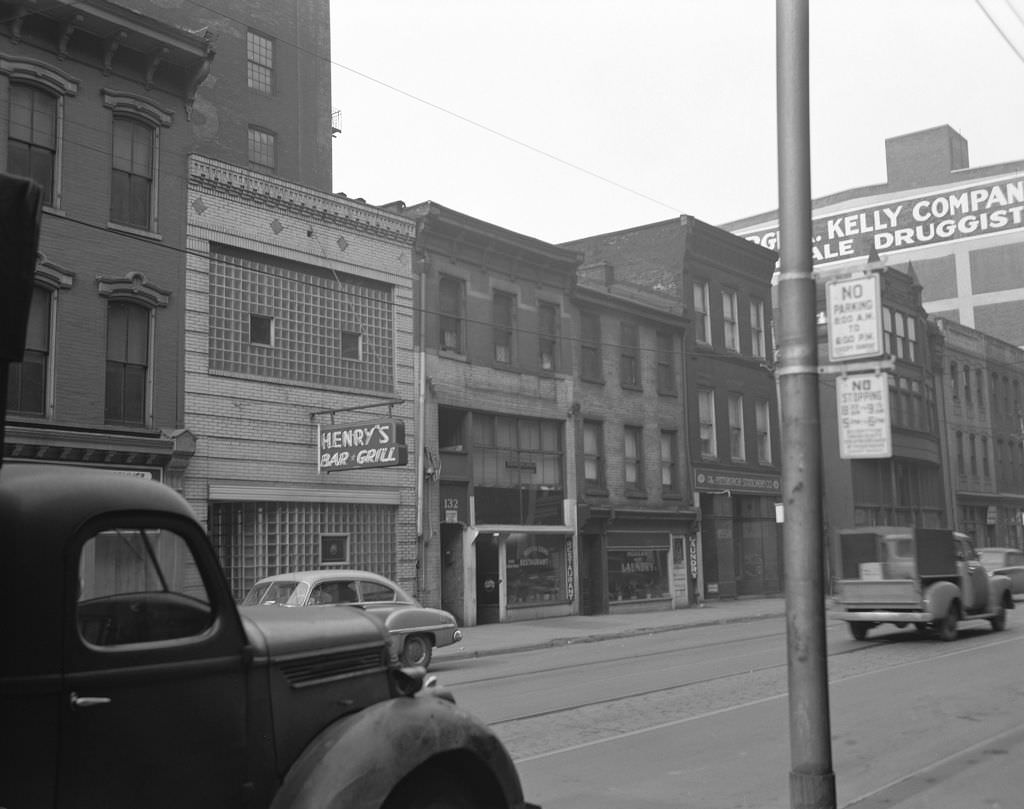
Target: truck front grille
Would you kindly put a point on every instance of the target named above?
(305, 671)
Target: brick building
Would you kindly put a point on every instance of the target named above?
(499, 510)
(94, 105)
(729, 408)
(299, 323)
(962, 227)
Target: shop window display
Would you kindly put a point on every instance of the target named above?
(537, 570)
(637, 574)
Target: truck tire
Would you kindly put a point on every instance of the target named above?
(435, 790)
(859, 629)
(417, 651)
(946, 625)
(998, 620)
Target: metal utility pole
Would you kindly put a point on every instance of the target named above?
(811, 780)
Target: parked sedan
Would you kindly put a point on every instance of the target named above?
(1005, 562)
(415, 629)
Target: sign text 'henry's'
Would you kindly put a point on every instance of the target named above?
(362, 446)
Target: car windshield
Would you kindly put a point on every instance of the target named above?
(270, 592)
(991, 558)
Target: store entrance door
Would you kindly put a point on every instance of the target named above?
(487, 580)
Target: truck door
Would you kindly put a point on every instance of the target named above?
(973, 576)
(154, 698)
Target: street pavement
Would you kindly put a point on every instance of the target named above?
(982, 779)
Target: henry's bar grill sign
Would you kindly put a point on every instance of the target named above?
(361, 446)
(958, 213)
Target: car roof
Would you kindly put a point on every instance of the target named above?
(315, 576)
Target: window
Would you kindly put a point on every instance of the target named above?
(593, 452)
(701, 313)
(131, 190)
(127, 363)
(888, 341)
(259, 53)
(261, 330)
(960, 466)
(26, 384)
(666, 364)
(157, 569)
(590, 347)
(730, 321)
(706, 409)
(334, 549)
(629, 365)
(503, 317)
(547, 315)
(669, 461)
(762, 416)
(972, 442)
(954, 381)
(632, 457)
(985, 471)
(262, 148)
(912, 339)
(900, 324)
(32, 136)
(737, 440)
(451, 300)
(351, 345)
(966, 381)
(979, 386)
(758, 346)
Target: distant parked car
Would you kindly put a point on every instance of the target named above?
(415, 630)
(1005, 562)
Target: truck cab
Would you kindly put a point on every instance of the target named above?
(129, 678)
(931, 578)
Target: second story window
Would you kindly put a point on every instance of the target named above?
(737, 438)
(954, 381)
(730, 321)
(708, 428)
(629, 365)
(262, 148)
(259, 54)
(127, 363)
(669, 462)
(666, 364)
(762, 415)
(912, 339)
(451, 303)
(758, 343)
(590, 347)
(261, 330)
(32, 136)
(701, 313)
(632, 458)
(131, 191)
(503, 317)
(26, 387)
(547, 315)
(593, 453)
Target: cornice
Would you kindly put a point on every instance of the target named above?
(270, 193)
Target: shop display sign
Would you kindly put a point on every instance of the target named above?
(361, 446)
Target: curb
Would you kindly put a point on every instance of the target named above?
(600, 636)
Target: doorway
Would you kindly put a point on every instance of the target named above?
(487, 580)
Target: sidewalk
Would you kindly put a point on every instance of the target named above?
(518, 636)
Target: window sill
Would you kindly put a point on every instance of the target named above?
(134, 231)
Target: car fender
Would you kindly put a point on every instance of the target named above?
(938, 597)
(998, 587)
(356, 761)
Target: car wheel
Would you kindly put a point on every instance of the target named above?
(433, 791)
(859, 629)
(946, 626)
(416, 651)
(998, 621)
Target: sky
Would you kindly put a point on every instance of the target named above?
(560, 119)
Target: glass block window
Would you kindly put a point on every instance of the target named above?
(259, 54)
(257, 539)
(262, 148)
(328, 331)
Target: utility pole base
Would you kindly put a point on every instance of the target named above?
(808, 791)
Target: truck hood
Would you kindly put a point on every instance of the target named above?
(276, 632)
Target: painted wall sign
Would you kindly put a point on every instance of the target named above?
(361, 446)
(916, 221)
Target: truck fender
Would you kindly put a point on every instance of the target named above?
(939, 596)
(998, 587)
(356, 761)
